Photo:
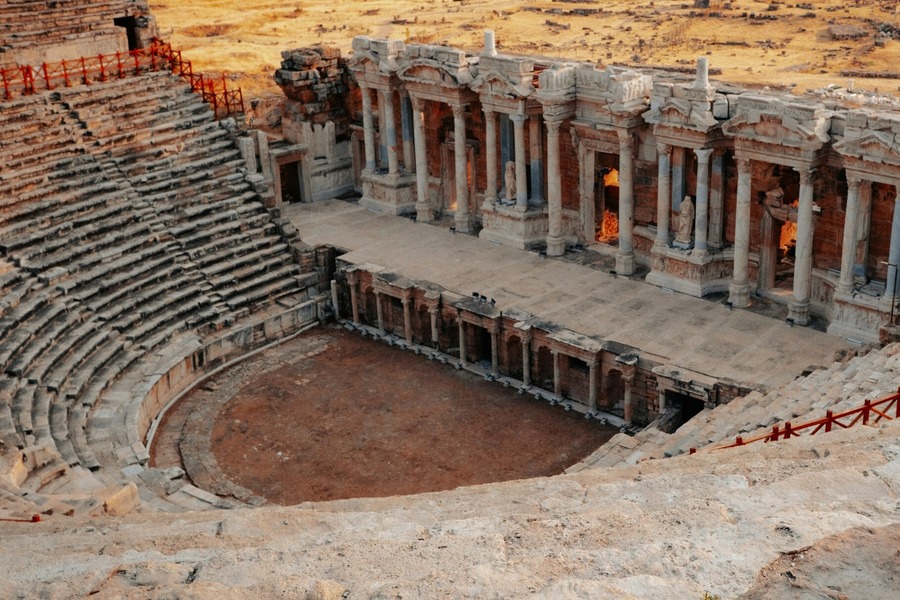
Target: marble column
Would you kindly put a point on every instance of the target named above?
(407, 320)
(521, 173)
(625, 255)
(848, 249)
(891, 287)
(701, 224)
(435, 338)
(462, 342)
(334, 299)
(677, 177)
(628, 381)
(407, 134)
(862, 230)
(537, 168)
(556, 245)
(490, 134)
(663, 205)
(368, 127)
(557, 380)
(717, 200)
(526, 358)
(380, 310)
(495, 352)
(739, 290)
(352, 281)
(423, 208)
(390, 127)
(798, 307)
(593, 372)
(461, 171)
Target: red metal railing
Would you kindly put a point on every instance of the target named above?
(869, 413)
(25, 80)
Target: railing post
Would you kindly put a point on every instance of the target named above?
(46, 76)
(867, 407)
(84, 75)
(775, 433)
(830, 416)
(66, 74)
(739, 441)
(28, 79)
(102, 68)
(5, 77)
(787, 431)
(137, 62)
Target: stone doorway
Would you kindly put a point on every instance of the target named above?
(606, 200)
(544, 368)
(680, 408)
(514, 357)
(778, 238)
(614, 392)
(291, 178)
(130, 26)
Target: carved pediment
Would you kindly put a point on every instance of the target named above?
(370, 62)
(496, 84)
(684, 114)
(435, 73)
(775, 130)
(874, 146)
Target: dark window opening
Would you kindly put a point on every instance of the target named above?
(130, 25)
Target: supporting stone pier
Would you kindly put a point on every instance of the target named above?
(739, 290)
(663, 207)
(390, 127)
(490, 133)
(556, 245)
(380, 310)
(368, 127)
(526, 356)
(625, 256)
(593, 372)
(353, 283)
(463, 222)
(462, 342)
(848, 249)
(407, 320)
(423, 208)
(701, 224)
(521, 172)
(798, 307)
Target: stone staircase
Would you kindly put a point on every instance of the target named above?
(26, 23)
(125, 225)
(842, 386)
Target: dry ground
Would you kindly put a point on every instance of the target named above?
(245, 38)
(333, 415)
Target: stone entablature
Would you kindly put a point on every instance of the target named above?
(542, 152)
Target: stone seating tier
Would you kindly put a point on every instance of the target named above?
(842, 386)
(26, 23)
(114, 244)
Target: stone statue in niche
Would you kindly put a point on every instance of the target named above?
(685, 222)
(510, 180)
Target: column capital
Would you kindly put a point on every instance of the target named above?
(553, 126)
(806, 175)
(626, 140)
(853, 183)
(665, 149)
(363, 86)
(488, 111)
(459, 110)
(743, 165)
(416, 102)
(352, 277)
(517, 118)
(404, 300)
(703, 154)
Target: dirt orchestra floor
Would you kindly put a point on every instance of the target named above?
(335, 415)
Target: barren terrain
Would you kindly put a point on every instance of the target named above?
(334, 415)
(778, 43)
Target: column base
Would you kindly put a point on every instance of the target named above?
(556, 246)
(463, 223)
(625, 263)
(798, 311)
(739, 295)
(423, 213)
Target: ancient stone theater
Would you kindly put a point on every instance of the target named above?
(698, 265)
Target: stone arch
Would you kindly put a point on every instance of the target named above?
(513, 363)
